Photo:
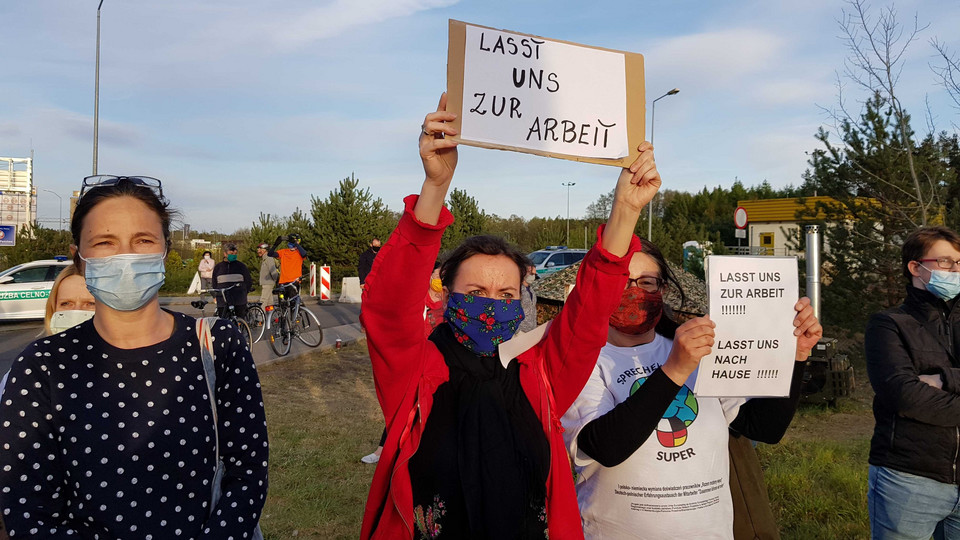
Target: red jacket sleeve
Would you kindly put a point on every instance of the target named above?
(392, 308)
(580, 330)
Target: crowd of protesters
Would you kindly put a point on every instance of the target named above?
(129, 420)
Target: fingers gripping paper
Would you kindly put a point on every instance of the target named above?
(520, 92)
(751, 301)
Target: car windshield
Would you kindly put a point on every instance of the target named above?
(539, 256)
(11, 270)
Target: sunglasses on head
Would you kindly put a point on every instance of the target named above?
(107, 180)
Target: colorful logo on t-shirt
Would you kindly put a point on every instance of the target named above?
(672, 429)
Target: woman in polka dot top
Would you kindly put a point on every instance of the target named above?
(107, 429)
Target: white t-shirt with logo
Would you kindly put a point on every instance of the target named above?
(676, 483)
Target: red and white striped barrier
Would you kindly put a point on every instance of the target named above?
(324, 283)
(313, 279)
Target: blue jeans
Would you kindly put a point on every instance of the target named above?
(905, 506)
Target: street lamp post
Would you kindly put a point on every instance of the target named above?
(96, 95)
(568, 184)
(653, 119)
(59, 198)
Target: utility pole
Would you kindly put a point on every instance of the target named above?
(96, 96)
(568, 184)
(653, 119)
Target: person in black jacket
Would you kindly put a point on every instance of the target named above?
(232, 272)
(366, 260)
(912, 361)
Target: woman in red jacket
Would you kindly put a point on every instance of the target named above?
(474, 446)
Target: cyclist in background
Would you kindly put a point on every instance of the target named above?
(291, 262)
(230, 272)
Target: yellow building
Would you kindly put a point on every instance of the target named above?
(775, 225)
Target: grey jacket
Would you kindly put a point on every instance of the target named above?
(268, 272)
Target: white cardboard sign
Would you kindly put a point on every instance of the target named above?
(543, 95)
(751, 301)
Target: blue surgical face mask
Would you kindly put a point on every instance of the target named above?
(291, 245)
(945, 285)
(125, 282)
(231, 257)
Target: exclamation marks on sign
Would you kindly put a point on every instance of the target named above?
(739, 309)
(767, 373)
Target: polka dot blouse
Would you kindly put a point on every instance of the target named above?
(101, 442)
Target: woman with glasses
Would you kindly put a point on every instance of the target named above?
(108, 429)
(650, 455)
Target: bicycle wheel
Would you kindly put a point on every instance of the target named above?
(307, 328)
(257, 320)
(244, 331)
(279, 333)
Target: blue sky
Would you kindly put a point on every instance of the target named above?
(242, 107)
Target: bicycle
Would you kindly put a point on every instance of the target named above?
(231, 314)
(256, 318)
(289, 319)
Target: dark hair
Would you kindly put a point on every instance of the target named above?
(124, 188)
(919, 242)
(480, 245)
(208, 252)
(667, 326)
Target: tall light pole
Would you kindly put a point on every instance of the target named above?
(59, 198)
(96, 95)
(568, 184)
(653, 119)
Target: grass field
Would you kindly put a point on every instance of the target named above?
(322, 416)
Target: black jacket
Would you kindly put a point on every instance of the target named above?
(366, 263)
(227, 273)
(917, 425)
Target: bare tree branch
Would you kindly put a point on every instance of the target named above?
(949, 72)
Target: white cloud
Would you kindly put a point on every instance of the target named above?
(790, 91)
(341, 16)
(721, 57)
(264, 29)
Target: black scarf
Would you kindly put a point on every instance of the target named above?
(483, 450)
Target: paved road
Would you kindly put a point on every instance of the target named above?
(15, 336)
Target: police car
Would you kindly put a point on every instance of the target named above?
(555, 258)
(24, 288)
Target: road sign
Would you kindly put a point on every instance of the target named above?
(740, 217)
(8, 235)
(740, 233)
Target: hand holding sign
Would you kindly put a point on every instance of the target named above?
(439, 154)
(639, 183)
(636, 186)
(693, 340)
(439, 157)
(808, 332)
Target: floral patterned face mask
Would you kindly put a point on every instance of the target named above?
(481, 324)
(638, 313)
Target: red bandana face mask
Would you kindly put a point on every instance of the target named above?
(638, 313)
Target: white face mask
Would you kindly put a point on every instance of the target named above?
(530, 278)
(207, 257)
(64, 320)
